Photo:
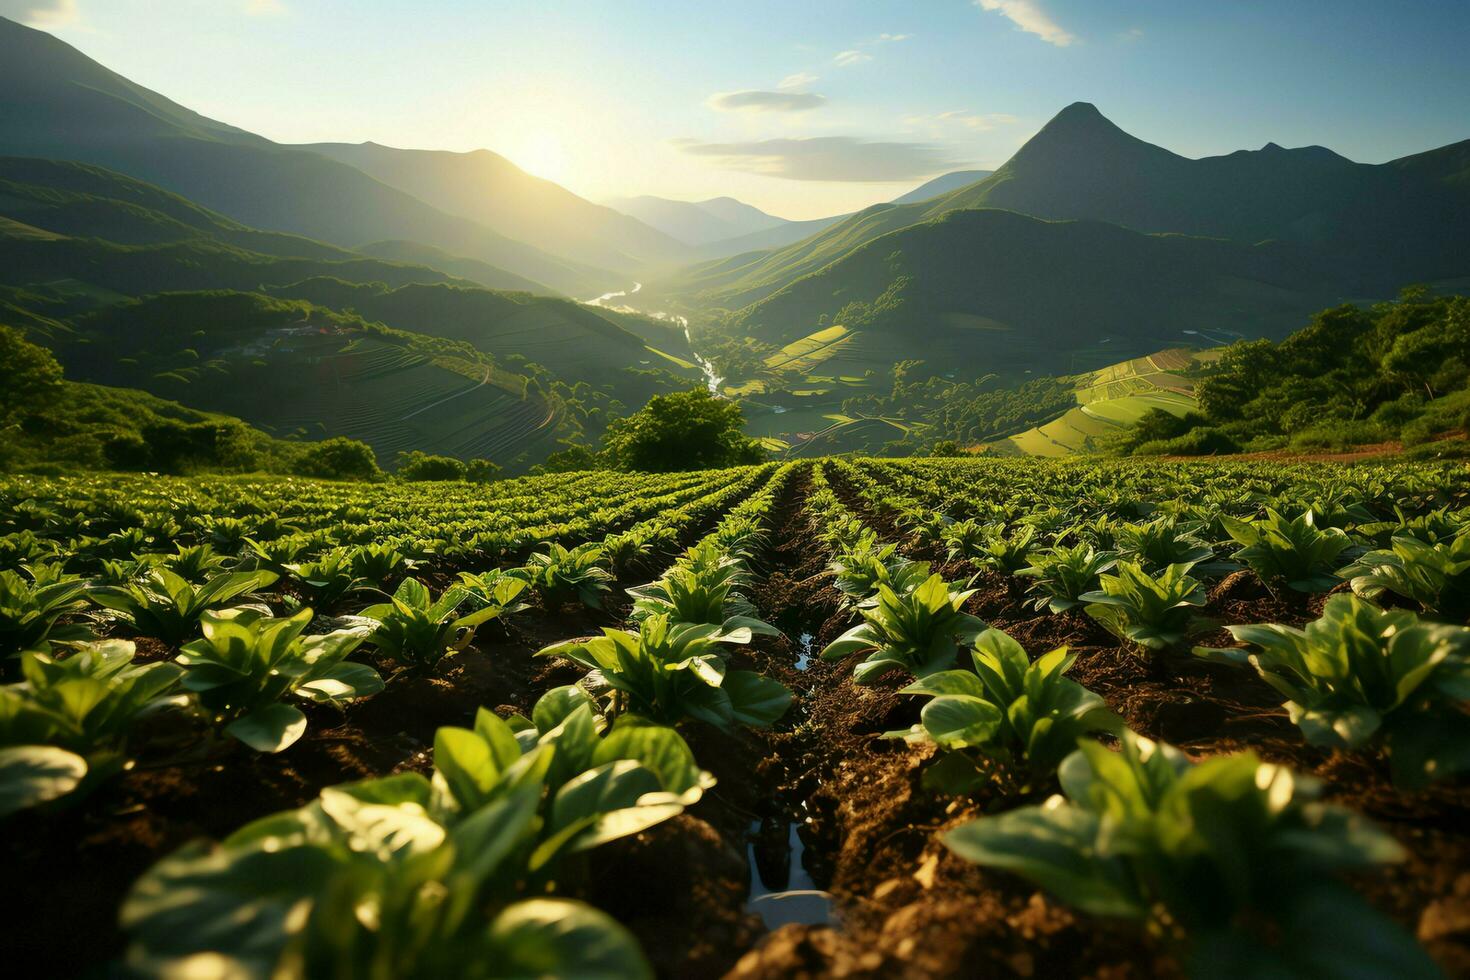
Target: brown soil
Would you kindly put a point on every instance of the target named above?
(871, 831)
(911, 909)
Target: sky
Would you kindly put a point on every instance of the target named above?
(802, 108)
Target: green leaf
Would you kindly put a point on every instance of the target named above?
(274, 728)
(959, 720)
(755, 700)
(32, 774)
(555, 938)
(1051, 845)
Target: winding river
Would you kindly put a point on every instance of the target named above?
(712, 379)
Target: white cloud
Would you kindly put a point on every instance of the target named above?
(976, 121)
(45, 15)
(1028, 16)
(826, 158)
(799, 80)
(1132, 34)
(756, 101)
(857, 55)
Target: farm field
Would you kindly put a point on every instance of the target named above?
(813, 713)
(1113, 398)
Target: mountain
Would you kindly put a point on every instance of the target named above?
(979, 289)
(1378, 225)
(73, 199)
(487, 188)
(136, 287)
(698, 222)
(487, 275)
(943, 184)
(57, 103)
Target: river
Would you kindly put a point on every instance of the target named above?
(712, 378)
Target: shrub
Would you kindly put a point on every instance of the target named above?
(338, 458)
(687, 430)
(419, 467)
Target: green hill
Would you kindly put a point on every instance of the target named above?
(57, 103)
(1374, 226)
(487, 188)
(483, 273)
(979, 290)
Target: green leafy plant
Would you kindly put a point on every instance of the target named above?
(918, 631)
(161, 604)
(247, 662)
(83, 706)
(864, 565)
(1294, 552)
(194, 563)
(1007, 554)
(376, 563)
(1010, 715)
(700, 594)
(638, 548)
(1160, 543)
(1437, 576)
(670, 671)
(1363, 678)
(29, 613)
(565, 575)
(327, 579)
(1065, 574)
(1155, 612)
(1231, 859)
(494, 589)
(418, 631)
(366, 882)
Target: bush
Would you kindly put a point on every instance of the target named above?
(482, 470)
(687, 430)
(1340, 435)
(419, 467)
(1202, 441)
(339, 458)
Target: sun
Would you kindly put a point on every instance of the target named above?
(543, 155)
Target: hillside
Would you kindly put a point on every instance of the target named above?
(489, 189)
(57, 103)
(698, 222)
(485, 373)
(977, 288)
(943, 184)
(473, 270)
(1081, 166)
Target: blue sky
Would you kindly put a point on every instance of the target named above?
(804, 108)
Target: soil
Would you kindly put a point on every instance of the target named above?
(869, 829)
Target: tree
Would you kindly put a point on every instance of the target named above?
(482, 470)
(339, 458)
(686, 430)
(418, 467)
(30, 377)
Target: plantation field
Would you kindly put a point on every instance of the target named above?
(1054, 717)
(312, 385)
(1111, 399)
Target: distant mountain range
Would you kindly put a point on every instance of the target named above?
(55, 102)
(1366, 229)
(722, 226)
(698, 222)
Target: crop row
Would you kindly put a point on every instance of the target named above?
(457, 865)
(1233, 859)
